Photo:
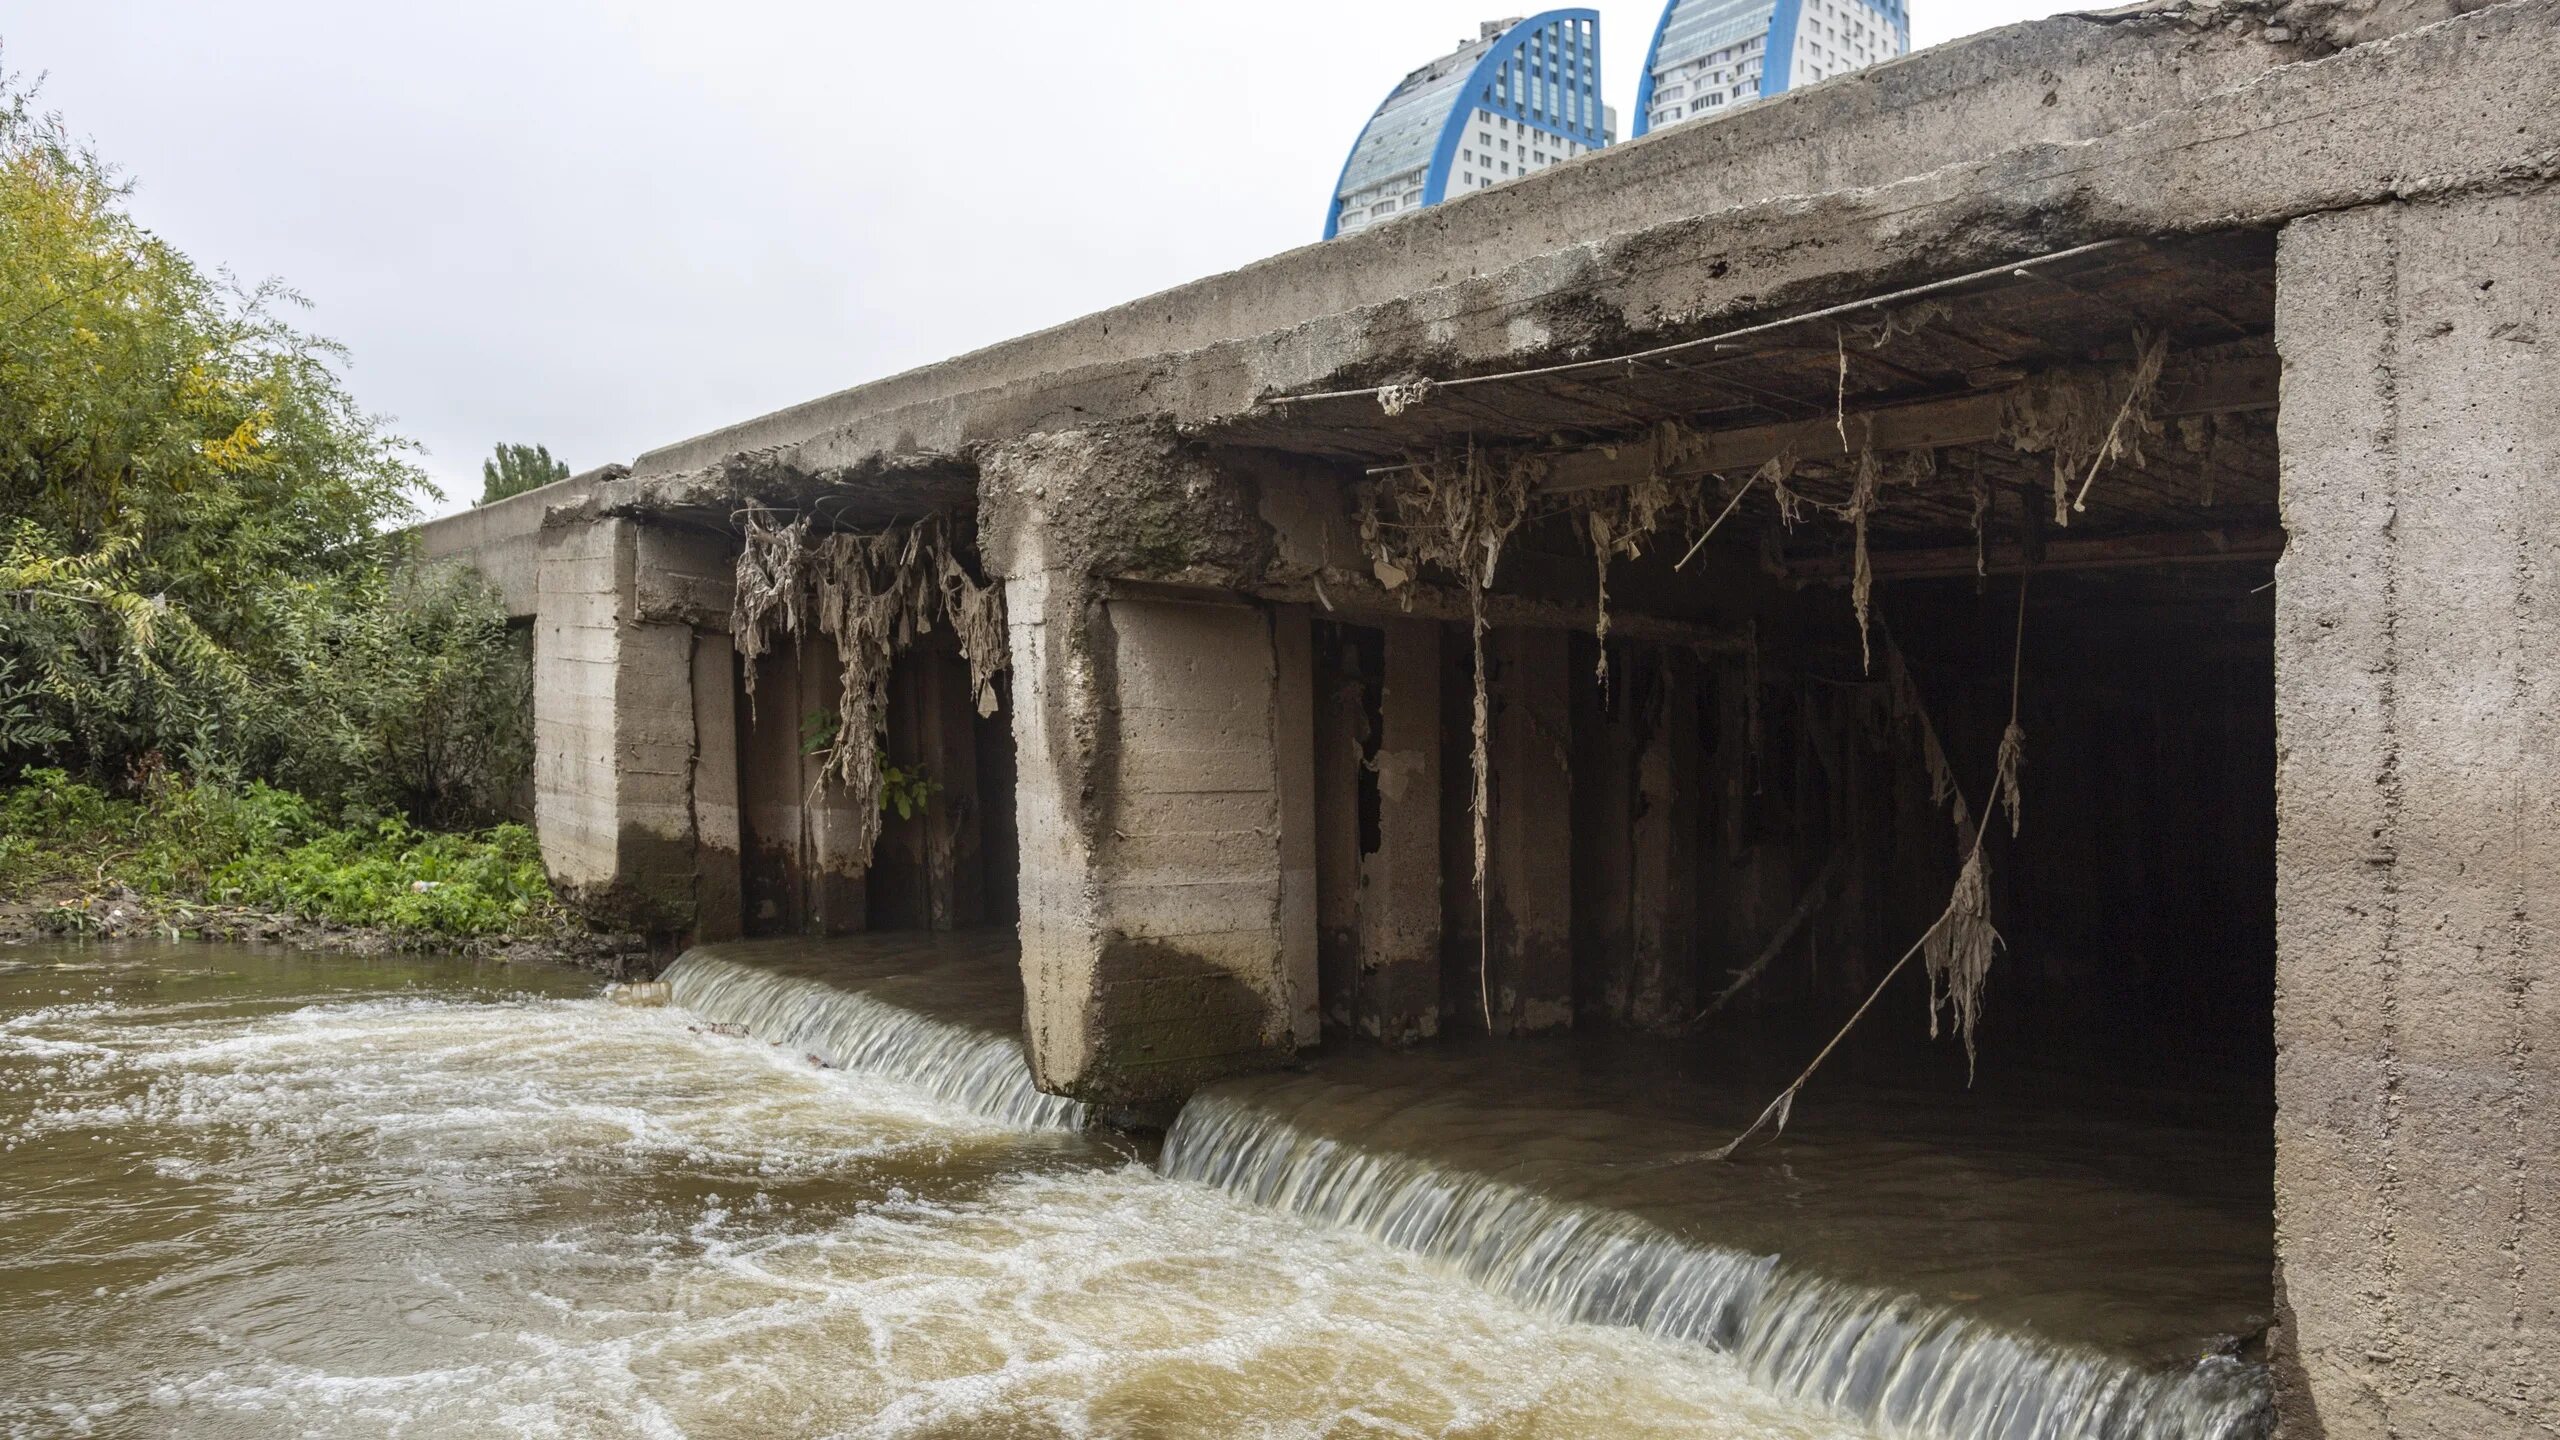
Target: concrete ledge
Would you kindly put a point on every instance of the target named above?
(497, 539)
(2156, 127)
(2054, 81)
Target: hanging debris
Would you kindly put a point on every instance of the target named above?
(1981, 496)
(1862, 580)
(772, 582)
(1903, 320)
(874, 594)
(1775, 471)
(1779, 469)
(976, 610)
(2134, 422)
(1397, 399)
(1958, 947)
(1618, 522)
(2067, 414)
(1908, 710)
(1456, 513)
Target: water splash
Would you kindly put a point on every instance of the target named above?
(1898, 1364)
(978, 1070)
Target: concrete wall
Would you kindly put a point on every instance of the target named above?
(1149, 806)
(502, 540)
(1167, 937)
(2418, 698)
(1399, 899)
(1529, 959)
(583, 575)
(638, 820)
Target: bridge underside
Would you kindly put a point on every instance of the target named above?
(2213, 421)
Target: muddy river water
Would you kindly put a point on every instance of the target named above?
(245, 1193)
(250, 1194)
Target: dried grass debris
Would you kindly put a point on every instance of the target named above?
(1455, 513)
(874, 594)
(2087, 418)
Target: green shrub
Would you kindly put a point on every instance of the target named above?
(198, 560)
(255, 845)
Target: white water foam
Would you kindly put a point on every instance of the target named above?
(1891, 1361)
(431, 1218)
(983, 1072)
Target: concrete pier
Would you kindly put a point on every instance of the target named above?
(2418, 858)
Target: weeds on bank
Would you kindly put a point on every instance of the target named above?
(198, 843)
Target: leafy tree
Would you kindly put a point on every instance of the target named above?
(196, 564)
(514, 469)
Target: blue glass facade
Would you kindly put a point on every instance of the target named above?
(1710, 54)
(1516, 100)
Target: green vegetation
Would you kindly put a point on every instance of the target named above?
(209, 638)
(516, 469)
(186, 844)
(198, 564)
(903, 791)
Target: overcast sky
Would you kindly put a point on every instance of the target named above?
(609, 226)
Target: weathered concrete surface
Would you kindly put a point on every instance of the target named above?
(1399, 919)
(2418, 1143)
(1529, 900)
(501, 540)
(2161, 122)
(719, 899)
(1293, 725)
(1664, 919)
(617, 755)
(1344, 739)
(1149, 797)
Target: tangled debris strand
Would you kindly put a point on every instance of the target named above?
(1456, 514)
(2064, 413)
(874, 594)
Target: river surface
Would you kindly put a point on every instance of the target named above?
(244, 1193)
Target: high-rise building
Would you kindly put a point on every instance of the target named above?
(1710, 54)
(1521, 96)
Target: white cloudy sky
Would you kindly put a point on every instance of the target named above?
(610, 224)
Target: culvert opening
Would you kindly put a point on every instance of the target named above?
(1973, 645)
(875, 743)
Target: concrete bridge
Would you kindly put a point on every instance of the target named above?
(2269, 293)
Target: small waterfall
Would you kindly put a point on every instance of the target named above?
(1894, 1362)
(978, 1070)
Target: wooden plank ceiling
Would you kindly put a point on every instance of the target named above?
(1930, 372)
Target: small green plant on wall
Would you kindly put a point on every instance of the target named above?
(904, 792)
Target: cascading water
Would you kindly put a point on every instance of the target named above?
(1885, 1360)
(1890, 1361)
(976, 1069)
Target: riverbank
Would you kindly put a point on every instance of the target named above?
(256, 865)
(114, 911)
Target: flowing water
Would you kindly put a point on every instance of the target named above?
(1997, 1270)
(249, 1194)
